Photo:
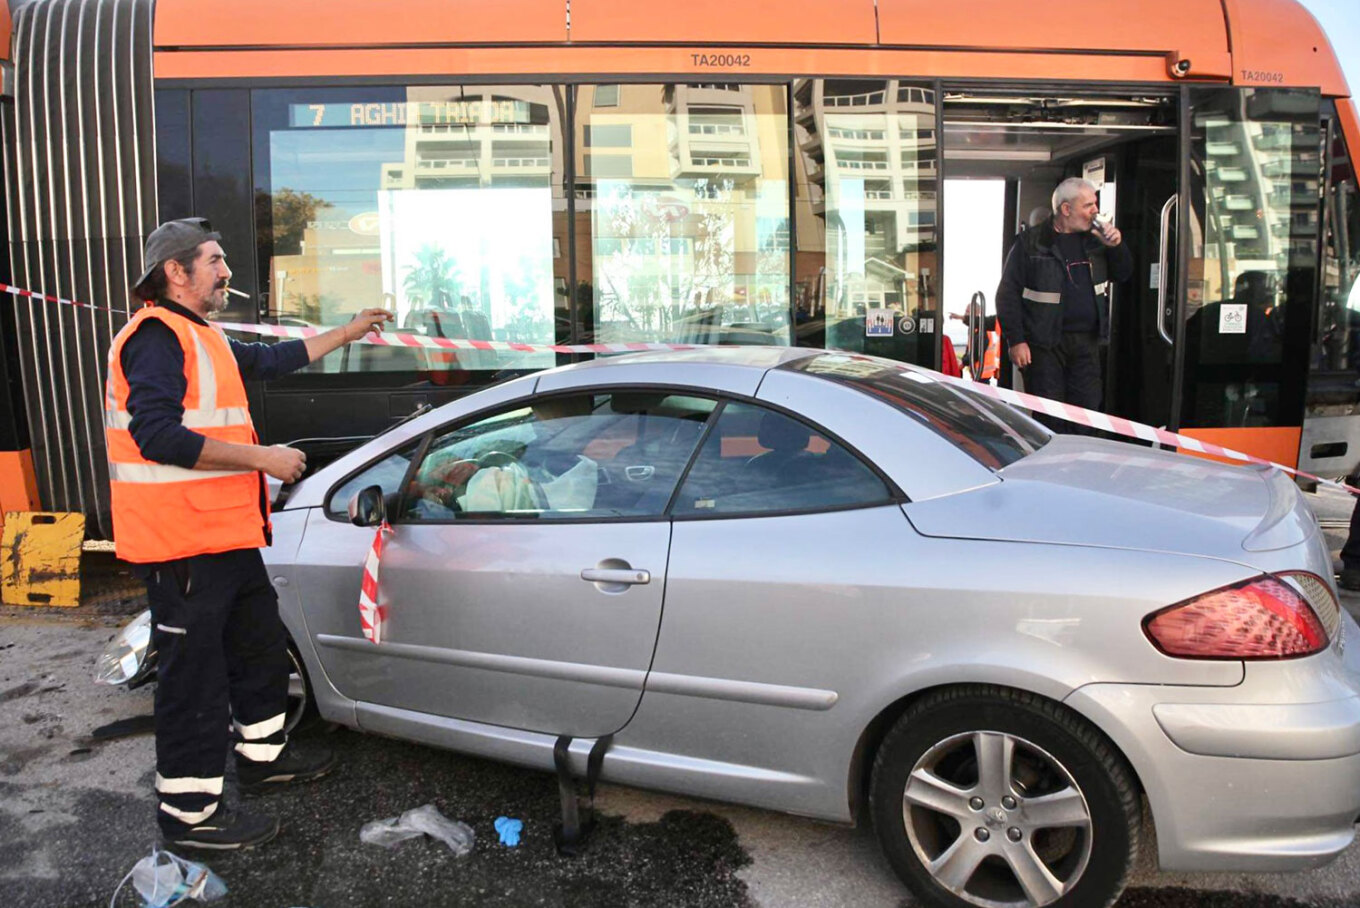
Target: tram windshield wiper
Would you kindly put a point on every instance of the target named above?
(418, 411)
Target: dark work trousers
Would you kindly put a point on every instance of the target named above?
(223, 660)
(1350, 552)
(1069, 372)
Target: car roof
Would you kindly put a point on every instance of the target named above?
(735, 370)
(753, 356)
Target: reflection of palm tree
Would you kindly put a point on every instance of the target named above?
(434, 275)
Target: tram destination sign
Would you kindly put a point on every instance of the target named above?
(403, 113)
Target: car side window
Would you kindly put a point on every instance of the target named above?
(599, 455)
(386, 474)
(758, 461)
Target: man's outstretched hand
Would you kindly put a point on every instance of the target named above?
(366, 321)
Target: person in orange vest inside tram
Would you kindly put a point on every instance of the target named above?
(1053, 300)
(982, 355)
(190, 513)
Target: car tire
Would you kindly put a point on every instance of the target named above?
(301, 703)
(1013, 800)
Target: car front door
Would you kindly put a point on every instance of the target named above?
(524, 573)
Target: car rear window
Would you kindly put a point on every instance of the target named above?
(990, 432)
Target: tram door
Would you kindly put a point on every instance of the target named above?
(1140, 361)
(1211, 335)
(1246, 233)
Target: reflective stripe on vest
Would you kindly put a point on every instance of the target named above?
(991, 359)
(162, 512)
(197, 418)
(1040, 296)
(160, 473)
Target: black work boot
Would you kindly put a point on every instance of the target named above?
(227, 830)
(295, 764)
(1349, 579)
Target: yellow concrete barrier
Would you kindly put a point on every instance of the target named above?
(40, 558)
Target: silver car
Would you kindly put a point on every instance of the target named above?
(837, 586)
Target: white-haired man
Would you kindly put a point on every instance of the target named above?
(1053, 299)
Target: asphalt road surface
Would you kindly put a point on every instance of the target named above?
(75, 815)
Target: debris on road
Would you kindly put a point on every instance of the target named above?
(509, 830)
(423, 820)
(163, 878)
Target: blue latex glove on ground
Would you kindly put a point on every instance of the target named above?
(509, 830)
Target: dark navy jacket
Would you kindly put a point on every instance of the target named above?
(1029, 299)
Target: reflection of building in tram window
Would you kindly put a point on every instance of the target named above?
(687, 209)
(446, 208)
(866, 193)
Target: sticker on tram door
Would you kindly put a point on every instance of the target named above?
(878, 323)
(1232, 318)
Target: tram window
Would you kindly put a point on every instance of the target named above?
(441, 203)
(1336, 344)
(1253, 254)
(865, 193)
(174, 170)
(682, 213)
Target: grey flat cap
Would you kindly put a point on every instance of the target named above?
(172, 239)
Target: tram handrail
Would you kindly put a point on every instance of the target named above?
(1167, 208)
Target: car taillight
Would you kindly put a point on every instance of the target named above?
(1264, 618)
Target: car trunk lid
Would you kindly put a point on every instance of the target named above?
(1085, 491)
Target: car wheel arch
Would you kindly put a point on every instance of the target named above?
(871, 737)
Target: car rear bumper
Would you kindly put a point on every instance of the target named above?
(1236, 786)
(1269, 731)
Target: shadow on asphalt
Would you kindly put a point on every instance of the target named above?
(686, 858)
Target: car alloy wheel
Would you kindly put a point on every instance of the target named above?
(993, 798)
(968, 801)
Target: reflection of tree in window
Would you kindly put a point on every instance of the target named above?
(434, 278)
(640, 230)
(289, 212)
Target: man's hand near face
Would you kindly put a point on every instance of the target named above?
(1110, 236)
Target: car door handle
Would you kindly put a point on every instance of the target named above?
(626, 576)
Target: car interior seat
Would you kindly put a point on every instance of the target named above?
(787, 461)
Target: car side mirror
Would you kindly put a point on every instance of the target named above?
(366, 508)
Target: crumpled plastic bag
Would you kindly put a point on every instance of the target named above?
(163, 879)
(423, 820)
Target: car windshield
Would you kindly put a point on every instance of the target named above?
(990, 432)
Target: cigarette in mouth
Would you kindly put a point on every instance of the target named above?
(234, 292)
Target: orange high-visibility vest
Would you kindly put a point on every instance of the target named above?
(991, 358)
(163, 512)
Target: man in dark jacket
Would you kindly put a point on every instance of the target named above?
(1053, 299)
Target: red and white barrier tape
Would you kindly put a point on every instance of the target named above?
(1128, 428)
(373, 614)
(421, 341)
(1092, 418)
